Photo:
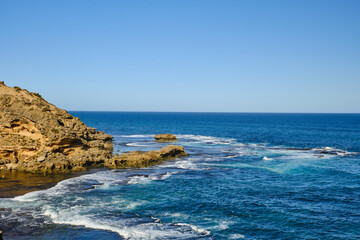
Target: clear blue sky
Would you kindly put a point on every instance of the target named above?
(195, 55)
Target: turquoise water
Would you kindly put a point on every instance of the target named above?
(248, 176)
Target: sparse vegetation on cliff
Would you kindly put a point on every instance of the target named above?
(36, 136)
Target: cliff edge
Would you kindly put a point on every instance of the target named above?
(36, 136)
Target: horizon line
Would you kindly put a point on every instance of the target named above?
(114, 111)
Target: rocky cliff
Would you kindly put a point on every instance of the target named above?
(36, 136)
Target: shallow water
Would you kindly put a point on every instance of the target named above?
(248, 176)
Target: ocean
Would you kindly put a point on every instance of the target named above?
(247, 176)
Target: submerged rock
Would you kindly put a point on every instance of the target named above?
(36, 136)
(165, 137)
(144, 159)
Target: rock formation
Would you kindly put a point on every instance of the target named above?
(145, 159)
(36, 136)
(165, 137)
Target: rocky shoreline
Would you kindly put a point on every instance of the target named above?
(38, 137)
(40, 141)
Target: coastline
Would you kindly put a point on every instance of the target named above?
(16, 183)
(173, 200)
(13, 184)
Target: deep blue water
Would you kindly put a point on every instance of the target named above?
(248, 176)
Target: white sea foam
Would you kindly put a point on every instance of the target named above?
(230, 156)
(311, 152)
(206, 139)
(129, 228)
(132, 229)
(59, 189)
(135, 144)
(133, 205)
(195, 228)
(143, 179)
(223, 225)
(267, 158)
(73, 184)
(198, 138)
(167, 175)
(177, 215)
(136, 136)
(103, 179)
(186, 164)
(138, 180)
(333, 151)
(236, 236)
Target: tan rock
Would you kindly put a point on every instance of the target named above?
(36, 136)
(165, 137)
(145, 159)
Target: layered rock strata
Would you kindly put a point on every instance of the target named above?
(145, 159)
(36, 136)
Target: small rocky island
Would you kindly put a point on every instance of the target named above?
(38, 137)
(165, 137)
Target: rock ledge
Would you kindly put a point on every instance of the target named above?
(165, 137)
(145, 159)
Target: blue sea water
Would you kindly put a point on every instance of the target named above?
(248, 176)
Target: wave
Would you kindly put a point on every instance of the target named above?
(91, 181)
(230, 156)
(65, 186)
(333, 151)
(141, 179)
(318, 151)
(130, 227)
(227, 153)
(194, 228)
(236, 236)
(55, 202)
(136, 144)
(207, 139)
(136, 136)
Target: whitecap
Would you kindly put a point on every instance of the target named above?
(129, 227)
(195, 228)
(167, 175)
(267, 158)
(186, 165)
(207, 139)
(236, 236)
(136, 136)
(135, 144)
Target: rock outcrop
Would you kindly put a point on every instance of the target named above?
(165, 137)
(145, 159)
(36, 136)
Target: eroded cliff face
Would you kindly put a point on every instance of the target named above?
(36, 136)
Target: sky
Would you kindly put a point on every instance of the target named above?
(185, 55)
